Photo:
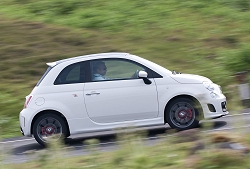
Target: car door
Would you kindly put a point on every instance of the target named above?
(118, 94)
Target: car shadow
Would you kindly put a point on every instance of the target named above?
(104, 140)
(212, 125)
(27, 149)
(111, 139)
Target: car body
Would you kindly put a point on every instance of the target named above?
(138, 92)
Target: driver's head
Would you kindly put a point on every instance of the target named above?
(100, 68)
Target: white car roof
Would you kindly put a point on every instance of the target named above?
(52, 64)
(159, 68)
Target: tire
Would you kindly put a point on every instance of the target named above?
(48, 125)
(182, 114)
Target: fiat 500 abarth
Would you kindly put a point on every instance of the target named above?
(108, 90)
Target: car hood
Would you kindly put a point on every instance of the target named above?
(189, 78)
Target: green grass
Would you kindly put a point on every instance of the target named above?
(199, 37)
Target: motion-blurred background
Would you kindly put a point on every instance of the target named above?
(209, 38)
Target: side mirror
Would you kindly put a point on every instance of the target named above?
(144, 75)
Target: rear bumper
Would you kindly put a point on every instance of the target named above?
(25, 122)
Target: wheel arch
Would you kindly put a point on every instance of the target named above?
(183, 96)
(50, 112)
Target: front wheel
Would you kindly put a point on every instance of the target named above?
(182, 114)
(48, 125)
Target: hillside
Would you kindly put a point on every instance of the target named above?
(201, 37)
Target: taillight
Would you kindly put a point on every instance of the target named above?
(28, 98)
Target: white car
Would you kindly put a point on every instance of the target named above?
(108, 90)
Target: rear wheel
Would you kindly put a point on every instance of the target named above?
(49, 125)
(182, 114)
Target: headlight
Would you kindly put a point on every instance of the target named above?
(209, 85)
(213, 88)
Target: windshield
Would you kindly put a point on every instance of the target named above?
(159, 67)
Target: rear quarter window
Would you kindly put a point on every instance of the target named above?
(47, 71)
(71, 74)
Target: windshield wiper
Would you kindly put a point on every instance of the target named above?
(174, 72)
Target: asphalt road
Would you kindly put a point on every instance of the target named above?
(19, 150)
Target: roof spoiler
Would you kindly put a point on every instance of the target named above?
(51, 64)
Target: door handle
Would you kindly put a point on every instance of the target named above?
(92, 93)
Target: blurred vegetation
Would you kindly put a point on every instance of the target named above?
(239, 60)
(171, 151)
(198, 36)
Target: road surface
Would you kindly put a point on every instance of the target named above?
(22, 149)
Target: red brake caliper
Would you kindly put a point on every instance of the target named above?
(189, 113)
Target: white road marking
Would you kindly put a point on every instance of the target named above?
(229, 128)
(17, 141)
(236, 115)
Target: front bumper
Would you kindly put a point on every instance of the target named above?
(215, 107)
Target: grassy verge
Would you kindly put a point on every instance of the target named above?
(190, 150)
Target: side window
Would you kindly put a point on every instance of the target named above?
(71, 74)
(114, 69)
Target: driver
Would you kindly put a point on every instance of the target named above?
(100, 70)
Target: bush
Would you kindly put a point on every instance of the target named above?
(238, 60)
